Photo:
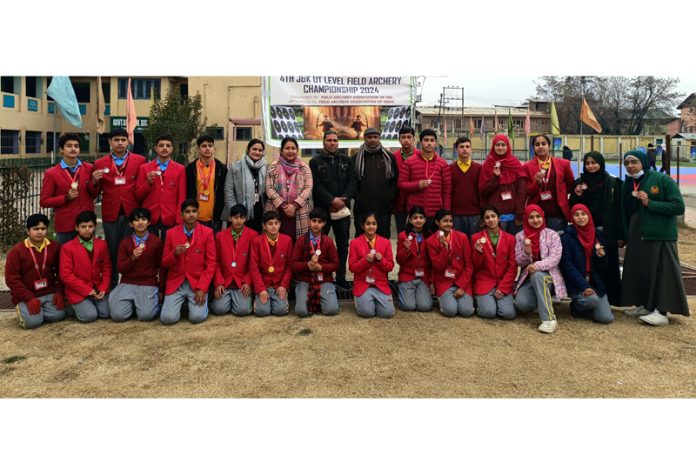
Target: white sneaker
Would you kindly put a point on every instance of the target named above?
(655, 318)
(548, 326)
(636, 311)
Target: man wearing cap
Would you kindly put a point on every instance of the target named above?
(377, 176)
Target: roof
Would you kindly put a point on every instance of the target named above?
(688, 102)
(431, 111)
(686, 136)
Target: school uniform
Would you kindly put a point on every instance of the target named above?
(187, 273)
(270, 270)
(208, 187)
(466, 203)
(32, 275)
(233, 271)
(315, 290)
(82, 271)
(452, 269)
(373, 296)
(164, 196)
(414, 273)
(140, 279)
(552, 194)
(494, 269)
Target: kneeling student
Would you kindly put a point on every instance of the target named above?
(31, 273)
(415, 281)
(189, 255)
(85, 270)
(139, 257)
(314, 261)
(271, 254)
(233, 284)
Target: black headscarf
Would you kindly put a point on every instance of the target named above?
(598, 191)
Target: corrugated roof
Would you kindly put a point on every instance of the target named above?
(479, 111)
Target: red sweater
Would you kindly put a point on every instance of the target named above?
(163, 200)
(227, 252)
(563, 184)
(196, 264)
(81, 272)
(409, 260)
(118, 199)
(54, 194)
(465, 191)
(302, 253)
(497, 271)
(436, 195)
(260, 261)
(144, 271)
(20, 272)
(360, 267)
(457, 259)
(400, 206)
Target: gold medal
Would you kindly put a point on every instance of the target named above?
(73, 185)
(271, 269)
(187, 245)
(206, 192)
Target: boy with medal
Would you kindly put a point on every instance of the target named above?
(205, 182)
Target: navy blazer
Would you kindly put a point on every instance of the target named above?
(573, 264)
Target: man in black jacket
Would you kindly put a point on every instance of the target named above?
(334, 187)
(205, 182)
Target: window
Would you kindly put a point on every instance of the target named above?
(242, 134)
(106, 88)
(141, 88)
(104, 146)
(50, 143)
(7, 84)
(32, 86)
(32, 143)
(81, 91)
(183, 90)
(218, 133)
(9, 141)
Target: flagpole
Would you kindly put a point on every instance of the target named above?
(582, 139)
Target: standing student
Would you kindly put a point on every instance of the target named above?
(450, 255)
(31, 273)
(314, 261)
(495, 268)
(370, 259)
(652, 280)
(85, 270)
(245, 183)
(114, 176)
(189, 256)
(503, 184)
(415, 282)
(233, 283)
(161, 187)
(67, 188)
(465, 196)
(407, 140)
(538, 252)
(271, 254)
(205, 182)
(584, 264)
(139, 258)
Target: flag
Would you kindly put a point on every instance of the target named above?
(61, 90)
(496, 124)
(101, 107)
(131, 116)
(511, 128)
(471, 127)
(483, 127)
(445, 131)
(588, 117)
(527, 124)
(555, 127)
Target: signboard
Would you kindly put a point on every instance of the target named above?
(120, 121)
(304, 107)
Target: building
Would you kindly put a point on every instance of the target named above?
(688, 114)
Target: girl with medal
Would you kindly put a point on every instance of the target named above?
(495, 268)
(415, 283)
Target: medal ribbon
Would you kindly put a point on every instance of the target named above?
(204, 173)
(268, 250)
(72, 179)
(36, 264)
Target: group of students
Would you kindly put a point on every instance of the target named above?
(163, 236)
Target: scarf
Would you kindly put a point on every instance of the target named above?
(287, 179)
(360, 161)
(244, 182)
(586, 234)
(464, 166)
(511, 169)
(534, 234)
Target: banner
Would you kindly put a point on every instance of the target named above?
(304, 107)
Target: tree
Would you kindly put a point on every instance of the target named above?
(181, 117)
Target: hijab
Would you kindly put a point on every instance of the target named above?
(510, 168)
(531, 233)
(631, 203)
(586, 234)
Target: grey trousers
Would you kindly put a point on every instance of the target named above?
(594, 307)
(114, 232)
(48, 313)
(535, 293)
(329, 301)
(171, 308)
(487, 306)
(467, 224)
(127, 298)
(415, 295)
(273, 306)
(450, 306)
(232, 300)
(374, 303)
(90, 309)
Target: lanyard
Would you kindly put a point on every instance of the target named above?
(190, 242)
(268, 250)
(371, 243)
(140, 240)
(36, 264)
(313, 247)
(234, 246)
(73, 178)
(208, 173)
(490, 242)
(427, 163)
(119, 171)
(636, 186)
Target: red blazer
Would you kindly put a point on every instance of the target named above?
(494, 272)
(163, 201)
(457, 258)
(359, 266)
(409, 260)
(260, 261)
(54, 194)
(80, 273)
(302, 253)
(564, 183)
(116, 197)
(225, 274)
(197, 264)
